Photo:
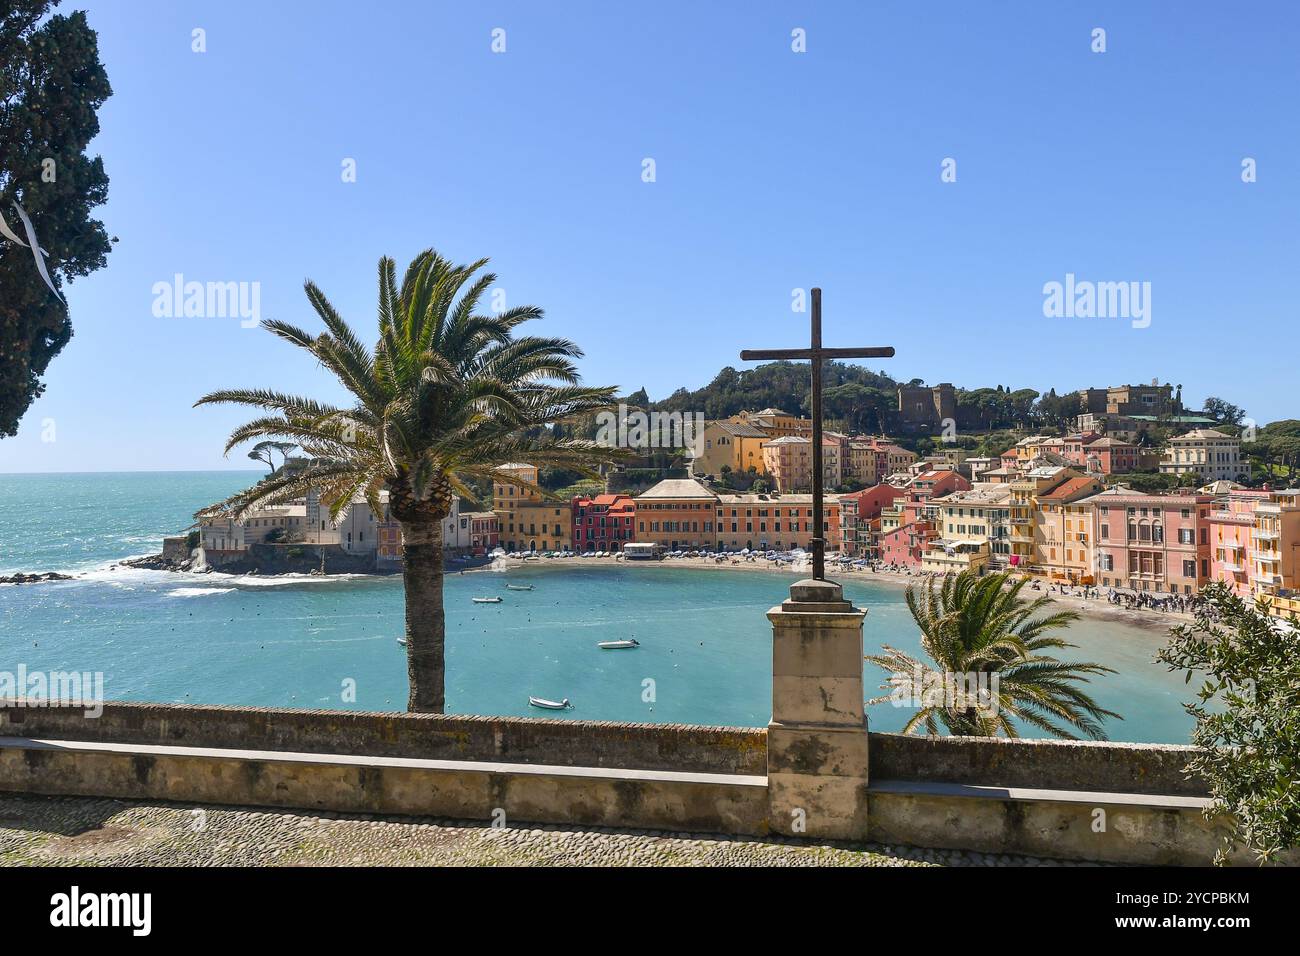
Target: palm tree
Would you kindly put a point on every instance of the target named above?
(980, 626)
(446, 396)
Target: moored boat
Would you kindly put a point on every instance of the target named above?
(486, 600)
(519, 587)
(550, 704)
(618, 645)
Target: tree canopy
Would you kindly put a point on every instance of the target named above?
(51, 87)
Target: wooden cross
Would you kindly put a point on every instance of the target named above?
(817, 355)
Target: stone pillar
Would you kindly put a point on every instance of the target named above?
(817, 738)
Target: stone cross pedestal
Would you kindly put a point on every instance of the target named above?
(817, 738)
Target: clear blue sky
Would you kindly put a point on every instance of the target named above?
(775, 170)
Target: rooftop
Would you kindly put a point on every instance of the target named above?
(677, 488)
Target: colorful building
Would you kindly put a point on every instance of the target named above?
(860, 517)
(905, 545)
(788, 461)
(1158, 544)
(778, 522)
(603, 523)
(730, 444)
(1204, 454)
(677, 514)
(526, 520)
(1064, 527)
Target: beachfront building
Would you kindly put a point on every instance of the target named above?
(953, 557)
(778, 522)
(603, 523)
(526, 520)
(1063, 521)
(905, 545)
(983, 512)
(730, 444)
(1232, 537)
(677, 514)
(788, 461)
(484, 532)
(1275, 555)
(1154, 543)
(860, 517)
(1204, 454)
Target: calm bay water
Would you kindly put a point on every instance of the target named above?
(214, 638)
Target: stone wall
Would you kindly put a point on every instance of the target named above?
(1044, 764)
(530, 740)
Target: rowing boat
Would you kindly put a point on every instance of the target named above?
(550, 704)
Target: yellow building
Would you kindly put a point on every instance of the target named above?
(527, 520)
(1026, 533)
(776, 423)
(1064, 519)
(981, 514)
(736, 445)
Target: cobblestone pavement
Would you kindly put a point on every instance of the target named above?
(85, 831)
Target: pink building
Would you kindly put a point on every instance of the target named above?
(1110, 456)
(1232, 526)
(904, 546)
(926, 486)
(1154, 543)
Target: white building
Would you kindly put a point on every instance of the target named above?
(1205, 454)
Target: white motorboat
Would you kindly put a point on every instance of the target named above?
(486, 600)
(519, 587)
(550, 704)
(402, 641)
(618, 645)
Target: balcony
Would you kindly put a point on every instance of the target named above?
(1261, 535)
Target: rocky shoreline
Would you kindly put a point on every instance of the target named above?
(21, 578)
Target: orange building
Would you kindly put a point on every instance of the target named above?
(677, 514)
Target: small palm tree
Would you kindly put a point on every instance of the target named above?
(981, 634)
(445, 398)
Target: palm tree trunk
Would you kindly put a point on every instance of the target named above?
(426, 629)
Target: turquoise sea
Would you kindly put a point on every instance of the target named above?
(706, 647)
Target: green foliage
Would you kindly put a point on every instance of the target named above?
(192, 539)
(775, 384)
(1223, 412)
(1247, 714)
(981, 625)
(51, 87)
(1149, 483)
(274, 536)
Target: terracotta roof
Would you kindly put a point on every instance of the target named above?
(1068, 489)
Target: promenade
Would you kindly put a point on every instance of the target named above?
(85, 831)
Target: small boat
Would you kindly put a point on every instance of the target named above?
(519, 587)
(486, 600)
(550, 704)
(618, 645)
(402, 641)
